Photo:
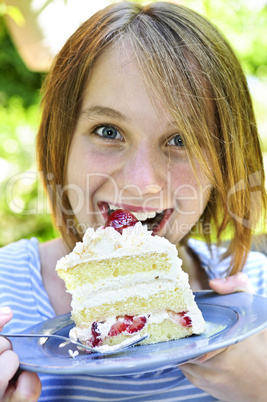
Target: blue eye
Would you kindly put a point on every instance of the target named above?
(108, 132)
(177, 141)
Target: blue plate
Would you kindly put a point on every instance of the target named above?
(229, 319)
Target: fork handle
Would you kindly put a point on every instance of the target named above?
(35, 336)
(64, 338)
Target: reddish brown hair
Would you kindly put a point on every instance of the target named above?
(179, 52)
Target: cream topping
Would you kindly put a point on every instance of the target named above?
(135, 285)
(84, 334)
(108, 243)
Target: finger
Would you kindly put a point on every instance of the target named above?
(28, 387)
(202, 370)
(5, 316)
(203, 358)
(207, 356)
(9, 363)
(232, 284)
(9, 392)
(5, 344)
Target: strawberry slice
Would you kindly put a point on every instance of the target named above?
(181, 318)
(128, 324)
(137, 325)
(121, 219)
(120, 326)
(185, 320)
(96, 336)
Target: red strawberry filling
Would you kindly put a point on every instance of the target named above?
(185, 320)
(130, 324)
(121, 219)
(96, 335)
(127, 325)
(181, 318)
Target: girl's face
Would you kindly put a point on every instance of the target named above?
(127, 153)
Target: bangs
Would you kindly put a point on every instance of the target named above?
(169, 62)
(193, 73)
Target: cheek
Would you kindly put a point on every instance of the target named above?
(190, 193)
(85, 165)
(88, 173)
(191, 198)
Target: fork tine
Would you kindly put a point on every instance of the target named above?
(105, 349)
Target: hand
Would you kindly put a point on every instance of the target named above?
(27, 386)
(238, 372)
(236, 283)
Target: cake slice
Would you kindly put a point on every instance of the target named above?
(124, 281)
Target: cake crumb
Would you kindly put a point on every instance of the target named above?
(73, 354)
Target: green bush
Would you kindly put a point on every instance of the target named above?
(19, 115)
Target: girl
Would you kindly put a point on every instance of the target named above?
(147, 109)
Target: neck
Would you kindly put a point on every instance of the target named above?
(50, 252)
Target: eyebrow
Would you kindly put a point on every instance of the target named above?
(96, 111)
(102, 111)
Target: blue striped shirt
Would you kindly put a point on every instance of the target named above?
(22, 289)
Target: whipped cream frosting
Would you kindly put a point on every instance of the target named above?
(134, 285)
(108, 243)
(154, 318)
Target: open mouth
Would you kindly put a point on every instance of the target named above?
(154, 220)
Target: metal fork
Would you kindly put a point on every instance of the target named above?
(104, 349)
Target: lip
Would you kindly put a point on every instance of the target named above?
(104, 207)
(133, 208)
(164, 220)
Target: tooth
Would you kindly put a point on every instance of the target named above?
(113, 207)
(151, 214)
(142, 216)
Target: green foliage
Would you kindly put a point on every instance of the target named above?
(23, 210)
(244, 23)
(19, 105)
(15, 78)
(12, 12)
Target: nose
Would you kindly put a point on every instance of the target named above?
(143, 171)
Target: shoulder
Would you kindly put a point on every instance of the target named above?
(19, 260)
(22, 250)
(215, 266)
(50, 252)
(256, 270)
(210, 257)
(21, 285)
(213, 254)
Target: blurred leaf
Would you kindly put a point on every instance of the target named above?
(19, 117)
(16, 15)
(15, 78)
(245, 26)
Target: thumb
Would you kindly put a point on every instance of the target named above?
(231, 284)
(5, 316)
